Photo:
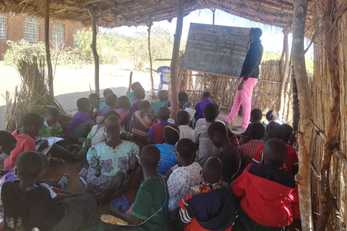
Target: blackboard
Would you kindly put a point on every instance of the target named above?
(216, 49)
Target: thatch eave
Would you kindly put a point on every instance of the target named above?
(113, 13)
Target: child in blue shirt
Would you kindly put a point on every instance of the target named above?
(167, 149)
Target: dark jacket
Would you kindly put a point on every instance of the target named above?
(253, 59)
(214, 210)
(34, 207)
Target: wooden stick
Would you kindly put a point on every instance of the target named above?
(175, 56)
(95, 52)
(149, 28)
(48, 51)
(305, 107)
(130, 81)
(213, 16)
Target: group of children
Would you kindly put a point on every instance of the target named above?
(156, 173)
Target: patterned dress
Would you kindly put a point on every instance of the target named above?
(108, 167)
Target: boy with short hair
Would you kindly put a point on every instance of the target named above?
(183, 121)
(51, 126)
(150, 209)
(167, 149)
(123, 107)
(163, 101)
(111, 102)
(156, 132)
(186, 175)
(206, 147)
(81, 121)
(210, 205)
(201, 105)
(25, 138)
(281, 132)
(255, 129)
(268, 193)
(102, 102)
(233, 161)
(29, 204)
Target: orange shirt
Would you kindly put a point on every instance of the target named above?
(25, 143)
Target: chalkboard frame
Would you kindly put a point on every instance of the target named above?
(208, 51)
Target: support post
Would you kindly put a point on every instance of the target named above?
(48, 51)
(95, 51)
(305, 109)
(149, 28)
(285, 74)
(175, 57)
(213, 16)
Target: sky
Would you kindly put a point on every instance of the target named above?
(272, 36)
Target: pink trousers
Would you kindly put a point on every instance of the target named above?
(243, 98)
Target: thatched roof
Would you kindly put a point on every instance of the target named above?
(112, 13)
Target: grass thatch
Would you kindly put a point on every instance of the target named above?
(32, 95)
(112, 13)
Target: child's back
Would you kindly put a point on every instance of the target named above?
(210, 205)
(34, 206)
(267, 193)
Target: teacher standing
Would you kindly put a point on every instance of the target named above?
(249, 78)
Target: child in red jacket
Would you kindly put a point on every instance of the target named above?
(267, 192)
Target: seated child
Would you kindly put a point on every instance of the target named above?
(206, 147)
(186, 175)
(140, 122)
(82, 121)
(149, 211)
(156, 132)
(110, 161)
(183, 121)
(233, 162)
(7, 144)
(281, 132)
(136, 93)
(163, 101)
(111, 102)
(201, 105)
(29, 204)
(210, 205)
(252, 139)
(102, 102)
(31, 125)
(51, 126)
(183, 100)
(267, 193)
(272, 119)
(135, 96)
(55, 170)
(167, 149)
(255, 129)
(123, 106)
(98, 133)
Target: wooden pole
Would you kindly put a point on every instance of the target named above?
(175, 57)
(285, 75)
(149, 28)
(130, 81)
(48, 51)
(213, 16)
(305, 108)
(95, 52)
